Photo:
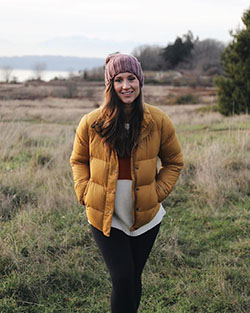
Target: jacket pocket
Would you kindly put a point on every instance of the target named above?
(85, 192)
(161, 192)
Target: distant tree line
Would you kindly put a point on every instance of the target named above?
(186, 53)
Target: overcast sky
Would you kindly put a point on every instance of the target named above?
(25, 23)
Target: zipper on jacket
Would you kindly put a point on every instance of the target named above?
(105, 194)
(135, 183)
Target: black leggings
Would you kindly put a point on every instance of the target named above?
(125, 257)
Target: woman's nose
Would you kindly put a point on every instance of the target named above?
(125, 84)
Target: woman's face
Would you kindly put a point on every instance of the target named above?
(127, 87)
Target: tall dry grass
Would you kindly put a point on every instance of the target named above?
(219, 167)
(35, 158)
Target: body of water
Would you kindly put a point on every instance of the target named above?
(23, 75)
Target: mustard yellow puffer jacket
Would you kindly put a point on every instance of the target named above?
(95, 169)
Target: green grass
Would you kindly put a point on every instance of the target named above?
(205, 270)
(49, 262)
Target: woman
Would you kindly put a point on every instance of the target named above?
(114, 163)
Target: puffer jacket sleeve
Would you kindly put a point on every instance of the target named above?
(80, 159)
(171, 159)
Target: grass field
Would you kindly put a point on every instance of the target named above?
(48, 259)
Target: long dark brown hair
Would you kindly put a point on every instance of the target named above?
(112, 127)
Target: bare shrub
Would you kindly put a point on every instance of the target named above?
(6, 73)
(38, 70)
(150, 57)
(186, 99)
(71, 89)
(95, 74)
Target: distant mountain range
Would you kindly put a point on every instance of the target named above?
(61, 53)
(51, 62)
(84, 46)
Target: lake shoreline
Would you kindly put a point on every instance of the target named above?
(21, 76)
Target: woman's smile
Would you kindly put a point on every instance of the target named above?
(127, 92)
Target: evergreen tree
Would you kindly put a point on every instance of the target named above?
(234, 84)
(179, 50)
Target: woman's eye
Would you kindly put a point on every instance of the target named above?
(118, 80)
(131, 78)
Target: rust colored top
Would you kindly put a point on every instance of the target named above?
(125, 168)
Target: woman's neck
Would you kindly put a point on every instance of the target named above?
(128, 109)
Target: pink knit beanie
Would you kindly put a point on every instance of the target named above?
(121, 63)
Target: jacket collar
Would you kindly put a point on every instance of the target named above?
(147, 117)
(147, 122)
